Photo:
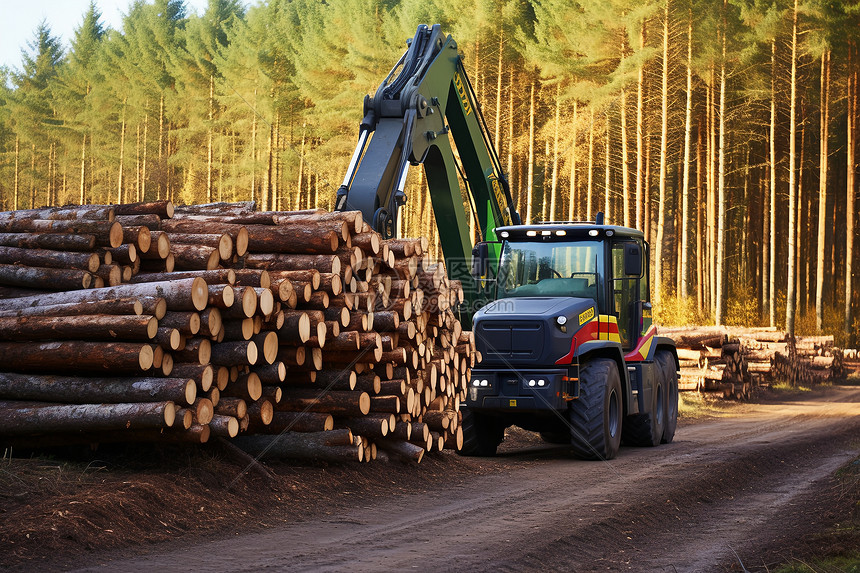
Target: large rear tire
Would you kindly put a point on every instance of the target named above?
(595, 417)
(481, 434)
(646, 429)
(670, 385)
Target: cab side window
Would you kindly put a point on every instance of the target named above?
(625, 295)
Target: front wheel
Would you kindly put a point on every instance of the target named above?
(670, 392)
(481, 434)
(595, 417)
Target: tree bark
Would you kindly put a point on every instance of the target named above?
(24, 420)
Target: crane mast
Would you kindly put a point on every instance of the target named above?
(422, 104)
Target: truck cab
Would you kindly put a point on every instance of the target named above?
(569, 332)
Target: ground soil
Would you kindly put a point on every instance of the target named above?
(747, 487)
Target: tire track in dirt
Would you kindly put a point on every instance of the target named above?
(685, 506)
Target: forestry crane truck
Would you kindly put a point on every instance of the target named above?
(564, 315)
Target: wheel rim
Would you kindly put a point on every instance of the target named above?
(614, 416)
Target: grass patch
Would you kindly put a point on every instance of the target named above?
(696, 406)
(838, 549)
(783, 387)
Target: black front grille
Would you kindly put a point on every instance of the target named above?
(515, 341)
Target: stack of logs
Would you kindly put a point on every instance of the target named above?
(301, 325)
(735, 360)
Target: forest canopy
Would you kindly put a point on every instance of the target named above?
(726, 130)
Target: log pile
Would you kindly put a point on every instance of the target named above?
(735, 360)
(281, 324)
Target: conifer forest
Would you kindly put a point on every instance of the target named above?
(725, 129)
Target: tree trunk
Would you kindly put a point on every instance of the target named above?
(79, 327)
(120, 181)
(572, 210)
(72, 418)
(850, 192)
(76, 356)
(209, 139)
(185, 294)
(640, 126)
(664, 136)
(771, 301)
(590, 194)
(557, 127)
(721, 186)
(685, 188)
(792, 184)
(79, 390)
(531, 158)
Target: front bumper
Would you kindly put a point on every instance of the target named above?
(523, 390)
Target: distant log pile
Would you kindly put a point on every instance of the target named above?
(735, 360)
(302, 332)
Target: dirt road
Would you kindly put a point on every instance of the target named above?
(731, 490)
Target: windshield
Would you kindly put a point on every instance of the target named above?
(550, 269)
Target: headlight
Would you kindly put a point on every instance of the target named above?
(561, 320)
(541, 382)
(484, 383)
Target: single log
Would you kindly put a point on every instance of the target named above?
(261, 411)
(225, 426)
(238, 233)
(402, 431)
(188, 257)
(52, 241)
(231, 353)
(335, 379)
(339, 314)
(22, 421)
(184, 294)
(267, 345)
(368, 382)
(370, 426)
(49, 258)
(75, 356)
(210, 322)
(274, 373)
(45, 278)
(404, 450)
(301, 445)
(159, 247)
(106, 233)
(202, 375)
(247, 387)
(168, 338)
(121, 306)
(295, 238)
(235, 330)
(389, 404)
(140, 237)
(150, 221)
(236, 407)
(77, 390)
(222, 242)
(283, 262)
(334, 402)
(70, 212)
(213, 277)
(163, 209)
(386, 321)
(311, 276)
(196, 351)
(221, 296)
(253, 278)
(80, 327)
(294, 422)
(187, 323)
